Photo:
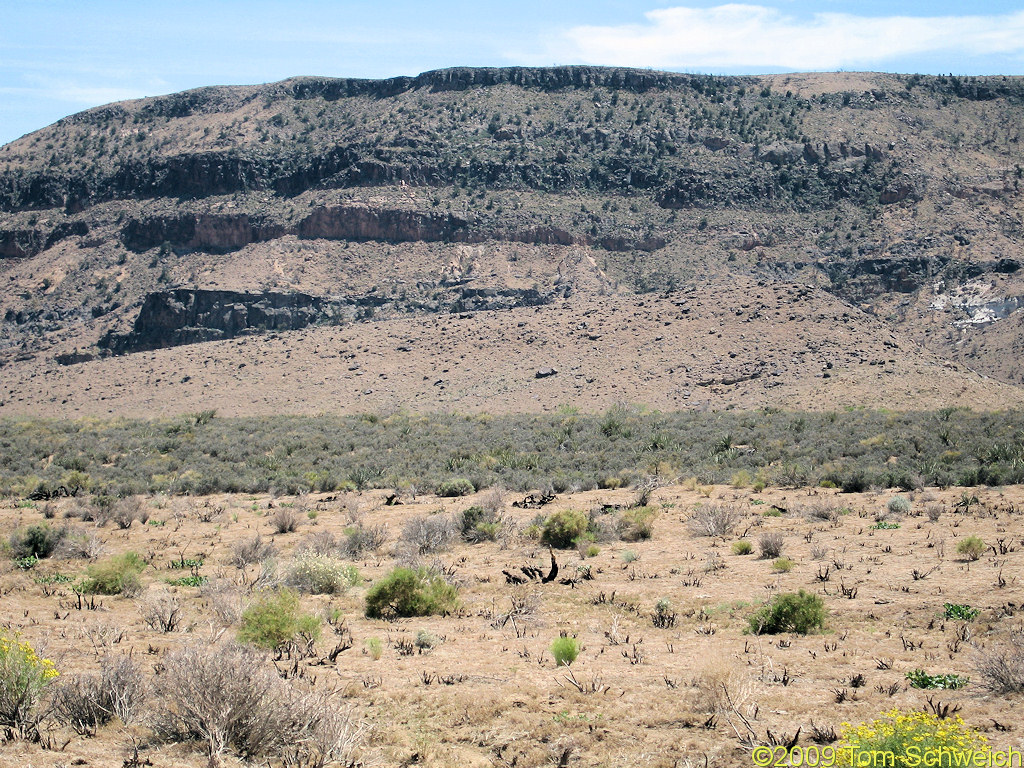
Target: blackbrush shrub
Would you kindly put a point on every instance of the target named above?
(479, 524)
(254, 550)
(410, 592)
(118, 575)
(36, 541)
(161, 611)
(320, 574)
(770, 545)
(563, 528)
(1001, 666)
(224, 599)
(225, 697)
(458, 486)
(713, 520)
(126, 511)
(79, 544)
(364, 538)
(275, 620)
(285, 519)
(429, 533)
(637, 524)
(799, 612)
(85, 702)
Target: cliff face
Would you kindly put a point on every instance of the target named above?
(185, 316)
(188, 316)
(466, 189)
(222, 233)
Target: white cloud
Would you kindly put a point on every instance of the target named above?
(756, 36)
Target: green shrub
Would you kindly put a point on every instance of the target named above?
(458, 486)
(799, 612)
(321, 574)
(563, 528)
(275, 619)
(885, 525)
(637, 524)
(742, 547)
(479, 524)
(918, 678)
(23, 678)
(36, 541)
(565, 650)
(898, 505)
(375, 647)
(118, 575)
(629, 556)
(782, 565)
(971, 548)
(407, 592)
(960, 611)
(914, 738)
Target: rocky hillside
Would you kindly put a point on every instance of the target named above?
(231, 212)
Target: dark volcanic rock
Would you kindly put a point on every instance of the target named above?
(186, 316)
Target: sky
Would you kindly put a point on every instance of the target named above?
(58, 57)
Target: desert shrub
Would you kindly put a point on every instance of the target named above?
(914, 737)
(321, 543)
(971, 548)
(23, 678)
(37, 541)
(898, 505)
(822, 512)
(629, 556)
(224, 599)
(664, 616)
(320, 574)
(275, 620)
(799, 612)
(782, 565)
(770, 545)
(364, 538)
(742, 547)
(126, 511)
(1001, 666)
(426, 641)
(227, 697)
(429, 533)
(254, 550)
(85, 702)
(637, 524)
(918, 678)
(565, 649)
(161, 611)
(458, 486)
(78, 544)
(480, 524)
(285, 519)
(410, 592)
(713, 520)
(118, 575)
(562, 529)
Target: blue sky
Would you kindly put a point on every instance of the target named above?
(58, 57)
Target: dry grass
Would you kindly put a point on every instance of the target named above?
(485, 689)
